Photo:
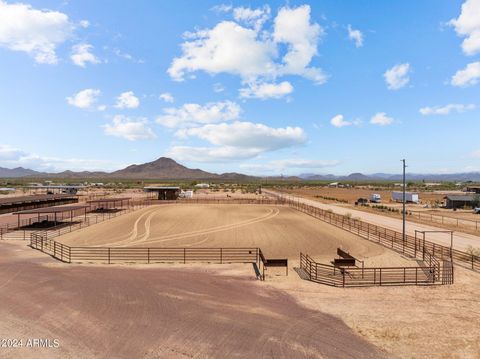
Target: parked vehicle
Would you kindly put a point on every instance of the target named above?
(375, 198)
(477, 210)
(409, 197)
(361, 201)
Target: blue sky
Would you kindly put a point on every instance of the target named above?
(253, 87)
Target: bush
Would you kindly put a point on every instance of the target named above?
(473, 250)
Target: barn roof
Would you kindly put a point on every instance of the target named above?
(459, 198)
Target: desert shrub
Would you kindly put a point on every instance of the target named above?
(476, 200)
(473, 250)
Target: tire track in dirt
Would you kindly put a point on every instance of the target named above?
(271, 214)
(134, 232)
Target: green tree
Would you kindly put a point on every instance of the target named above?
(476, 200)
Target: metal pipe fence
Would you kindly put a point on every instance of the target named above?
(446, 220)
(367, 277)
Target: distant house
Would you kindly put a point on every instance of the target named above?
(333, 184)
(458, 201)
(474, 189)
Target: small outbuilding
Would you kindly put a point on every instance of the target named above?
(459, 201)
(165, 193)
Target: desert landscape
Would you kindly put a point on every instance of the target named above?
(210, 303)
(215, 180)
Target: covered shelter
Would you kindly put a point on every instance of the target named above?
(165, 193)
(20, 203)
(458, 201)
(109, 204)
(474, 189)
(55, 213)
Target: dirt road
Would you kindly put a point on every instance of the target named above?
(158, 312)
(461, 240)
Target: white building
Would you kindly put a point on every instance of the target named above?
(202, 185)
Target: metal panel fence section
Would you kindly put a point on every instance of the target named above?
(110, 255)
(414, 247)
(366, 277)
(68, 227)
(446, 220)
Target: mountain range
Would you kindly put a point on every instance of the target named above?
(166, 168)
(162, 168)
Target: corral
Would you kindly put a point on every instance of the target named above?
(280, 232)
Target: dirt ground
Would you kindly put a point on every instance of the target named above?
(218, 311)
(469, 228)
(280, 232)
(408, 322)
(352, 194)
(159, 312)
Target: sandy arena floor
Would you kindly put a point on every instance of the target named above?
(199, 311)
(280, 232)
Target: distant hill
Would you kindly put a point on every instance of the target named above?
(166, 168)
(449, 177)
(163, 168)
(17, 172)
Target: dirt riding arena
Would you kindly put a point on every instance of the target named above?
(280, 232)
(199, 310)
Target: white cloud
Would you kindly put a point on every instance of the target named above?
(129, 129)
(11, 157)
(445, 110)
(81, 55)
(222, 8)
(252, 17)
(210, 154)
(266, 90)
(8, 153)
(84, 23)
(237, 140)
(191, 114)
(476, 154)
(218, 87)
(339, 121)
(253, 53)
(86, 99)
(228, 47)
(246, 135)
(127, 100)
(127, 56)
(468, 25)
(284, 165)
(355, 35)
(293, 27)
(167, 97)
(36, 32)
(381, 119)
(469, 76)
(397, 76)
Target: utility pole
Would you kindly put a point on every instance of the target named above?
(403, 202)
